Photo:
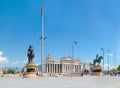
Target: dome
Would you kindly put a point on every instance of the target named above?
(49, 57)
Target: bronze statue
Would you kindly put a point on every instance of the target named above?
(98, 59)
(30, 54)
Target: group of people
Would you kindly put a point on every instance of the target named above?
(112, 73)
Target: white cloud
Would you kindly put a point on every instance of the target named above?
(110, 54)
(1, 53)
(24, 61)
(37, 63)
(106, 66)
(15, 63)
(3, 60)
(110, 67)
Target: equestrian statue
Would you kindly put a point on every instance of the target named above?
(97, 60)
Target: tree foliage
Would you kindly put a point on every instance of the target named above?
(118, 68)
(8, 71)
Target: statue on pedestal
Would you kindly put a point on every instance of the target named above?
(30, 54)
(30, 70)
(96, 69)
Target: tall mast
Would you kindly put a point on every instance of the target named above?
(42, 40)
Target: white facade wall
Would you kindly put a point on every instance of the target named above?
(64, 65)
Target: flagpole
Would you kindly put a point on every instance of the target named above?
(42, 41)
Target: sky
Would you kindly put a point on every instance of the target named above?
(94, 24)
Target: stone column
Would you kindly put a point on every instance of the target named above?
(62, 68)
(47, 68)
(56, 67)
(65, 68)
(59, 68)
(74, 69)
(69, 68)
(78, 68)
(52, 67)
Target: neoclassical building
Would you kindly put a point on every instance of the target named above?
(64, 65)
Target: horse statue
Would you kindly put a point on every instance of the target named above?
(97, 60)
(30, 54)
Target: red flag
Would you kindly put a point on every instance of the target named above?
(42, 11)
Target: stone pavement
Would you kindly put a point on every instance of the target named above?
(61, 82)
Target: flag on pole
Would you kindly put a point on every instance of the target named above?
(42, 11)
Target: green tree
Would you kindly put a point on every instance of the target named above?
(118, 68)
(10, 71)
(4, 72)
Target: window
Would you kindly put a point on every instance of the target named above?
(30, 69)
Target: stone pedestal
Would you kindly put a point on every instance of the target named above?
(30, 70)
(96, 70)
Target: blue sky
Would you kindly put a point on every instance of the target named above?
(94, 24)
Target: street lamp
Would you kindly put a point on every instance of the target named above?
(102, 49)
(108, 60)
(73, 44)
(115, 61)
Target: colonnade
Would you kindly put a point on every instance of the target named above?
(61, 68)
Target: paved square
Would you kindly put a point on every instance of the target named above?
(61, 82)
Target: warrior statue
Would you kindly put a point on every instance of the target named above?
(30, 54)
(98, 59)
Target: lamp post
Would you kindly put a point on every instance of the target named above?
(115, 61)
(73, 44)
(108, 60)
(102, 49)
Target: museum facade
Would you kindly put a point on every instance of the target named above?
(64, 65)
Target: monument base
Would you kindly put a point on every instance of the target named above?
(30, 71)
(96, 70)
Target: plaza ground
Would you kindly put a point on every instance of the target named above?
(61, 82)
